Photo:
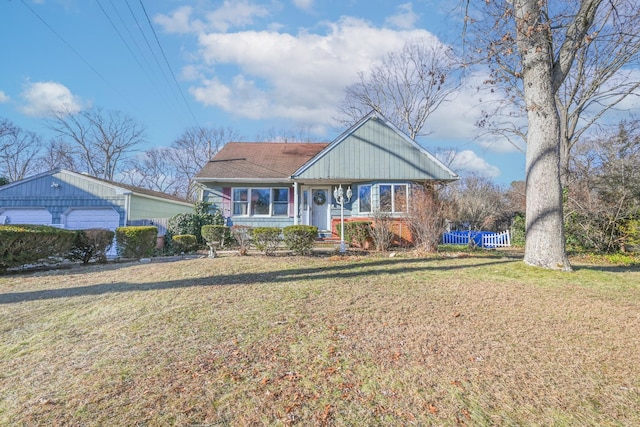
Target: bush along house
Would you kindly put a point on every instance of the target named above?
(262, 184)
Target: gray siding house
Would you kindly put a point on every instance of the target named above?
(76, 201)
(280, 184)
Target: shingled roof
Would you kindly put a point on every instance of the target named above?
(259, 160)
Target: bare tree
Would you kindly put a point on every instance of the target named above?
(479, 204)
(103, 139)
(604, 195)
(193, 149)
(428, 213)
(58, 154)
(154, 169)
(406, 87)
(600, 78)
(286, 135)
(539, 42)
(18, 151)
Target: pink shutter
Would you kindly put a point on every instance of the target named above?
(291, 207)
(226, 202)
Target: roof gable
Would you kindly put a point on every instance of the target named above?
(374, 148)
(97, 186)
(258, 160)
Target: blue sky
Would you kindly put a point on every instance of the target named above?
(251, 65)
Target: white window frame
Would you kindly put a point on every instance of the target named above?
(370, 198)
(393, 197)
(248, 202)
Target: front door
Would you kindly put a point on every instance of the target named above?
(320, 205)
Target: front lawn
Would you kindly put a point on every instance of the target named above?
(471, 340)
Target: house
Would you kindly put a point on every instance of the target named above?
(77, 201)
(280, 184)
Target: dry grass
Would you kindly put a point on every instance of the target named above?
(321, 341)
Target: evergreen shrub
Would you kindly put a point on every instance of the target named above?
(136, 242)
(300, 238)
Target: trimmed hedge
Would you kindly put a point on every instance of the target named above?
(356, 232)
(184, 242)
(93, 243)
(26, 244)
(300, 238)
(266, 239)
(136, 242)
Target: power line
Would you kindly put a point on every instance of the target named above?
(82, 58)
(168, 64)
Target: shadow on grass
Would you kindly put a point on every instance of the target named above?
(337, 272)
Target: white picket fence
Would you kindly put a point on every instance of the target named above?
(481, 238)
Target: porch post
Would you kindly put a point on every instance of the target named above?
(296, 202)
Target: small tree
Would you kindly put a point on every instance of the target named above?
(214, 236)
(381, 230)
(242, 235)
(93, 243)
(427, 217)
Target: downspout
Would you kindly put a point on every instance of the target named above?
(127, 208)
(296, 202)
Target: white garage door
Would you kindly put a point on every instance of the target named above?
(37, 216)
(82, 219)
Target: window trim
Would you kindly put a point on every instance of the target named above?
(248, 202)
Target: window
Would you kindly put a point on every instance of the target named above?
(364, 198)
(393, 198)
(240, 201)
(280, 201)
(260, 201)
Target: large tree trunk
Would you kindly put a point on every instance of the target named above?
(545, 246)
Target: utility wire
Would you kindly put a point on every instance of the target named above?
(168, 64)
(46, 24)
(127, 45)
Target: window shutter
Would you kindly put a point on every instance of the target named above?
(226, 202)
(291, 207)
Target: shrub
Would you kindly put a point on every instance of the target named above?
(381, 231)
(426, 219)
(356, 232)
(191, 223)
(184, 242)
(93, 243)
(300, 238)
(136, 242)
(214, 236)
(266, 239)
(242, 235)
(24, 244)
(518, 230)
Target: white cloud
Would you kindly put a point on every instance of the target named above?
(303, 4)
(405, 18)
(231, 14)
(43, 98)
(4, 97)
(467, 162)
(301, 77)
(179, 21)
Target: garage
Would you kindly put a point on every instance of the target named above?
(36, 216)
(84, 218)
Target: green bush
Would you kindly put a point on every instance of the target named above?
(518, 230)
(266, 239)
(355, 232)
(93, 243)
(300, 238)
(184, 242)
(136, 242)
(25, 244)
(214, 236)
(242, 236)
(191, 223)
